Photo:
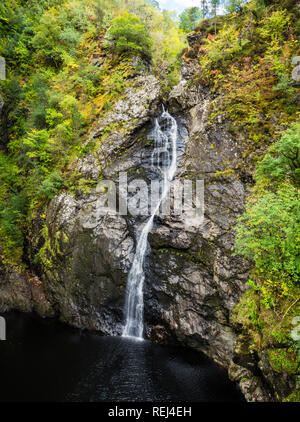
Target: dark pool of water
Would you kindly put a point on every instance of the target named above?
(43, 360)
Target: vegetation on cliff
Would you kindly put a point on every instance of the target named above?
(67, 63)
(247, 63)
(268, 234)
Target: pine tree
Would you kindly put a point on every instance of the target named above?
(204, 8)
(189, 18)
(214, 6)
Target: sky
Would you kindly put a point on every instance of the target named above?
(180, 5)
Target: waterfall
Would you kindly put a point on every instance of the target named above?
(163, 161)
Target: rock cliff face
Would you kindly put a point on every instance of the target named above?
(192, 280)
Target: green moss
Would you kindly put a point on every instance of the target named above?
(284, 360)
(265, 330)
(49, 251)
(247, 313)
(293, 397)
(201, 258)
(225, 173)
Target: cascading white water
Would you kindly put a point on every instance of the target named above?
(164, 160)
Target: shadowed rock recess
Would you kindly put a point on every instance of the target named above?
(192, 280)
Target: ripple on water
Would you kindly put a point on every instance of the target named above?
(48, 361)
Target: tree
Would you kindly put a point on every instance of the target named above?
(50, 186)
(214, 5)
(153, 3)
(128, 33)
(234, 6)
(103, 13)
(99, 14)
(204, 8)
(268, 234)
(189, 18)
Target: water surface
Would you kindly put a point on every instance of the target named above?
(43, 360)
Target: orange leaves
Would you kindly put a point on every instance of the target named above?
(33, 279)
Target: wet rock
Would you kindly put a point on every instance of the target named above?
(282, 385)
(86, 262)
(133, 111)
(23, 291)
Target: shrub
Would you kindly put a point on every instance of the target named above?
(283, 159)
(50, 186)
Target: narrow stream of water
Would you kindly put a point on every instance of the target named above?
(164, 161)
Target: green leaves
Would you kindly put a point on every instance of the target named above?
(59, 31)
(11, 216)
(275, 25)
(189, 18)
(269, 231)
(128, 34)
(50, 186)
(36, 149)
(282, 160)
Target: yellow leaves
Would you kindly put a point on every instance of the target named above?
(86, 110)
(101, 100)
(71, 65)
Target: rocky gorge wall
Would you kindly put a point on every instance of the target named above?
(192, 280)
